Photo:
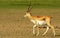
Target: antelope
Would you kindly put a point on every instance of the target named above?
(39, 21)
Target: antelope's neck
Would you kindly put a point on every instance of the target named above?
(30, 17)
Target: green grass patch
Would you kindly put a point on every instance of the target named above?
(35, 4)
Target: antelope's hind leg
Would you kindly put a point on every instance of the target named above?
(46, 31)
(52, 27)
(48, 21)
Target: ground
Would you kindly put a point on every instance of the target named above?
(13, 25)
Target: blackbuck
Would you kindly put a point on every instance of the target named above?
(39, 20)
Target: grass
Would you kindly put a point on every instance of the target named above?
(35, 3)
(12, 26)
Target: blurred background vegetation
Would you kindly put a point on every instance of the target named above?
(24, 3)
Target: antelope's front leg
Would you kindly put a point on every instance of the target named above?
(37, 31)
(34, 29)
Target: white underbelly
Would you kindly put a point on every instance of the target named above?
(39, 22)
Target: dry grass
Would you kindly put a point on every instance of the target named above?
(13, 26)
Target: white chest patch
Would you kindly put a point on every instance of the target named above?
(38, 22)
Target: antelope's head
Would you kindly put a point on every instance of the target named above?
(27, 14)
